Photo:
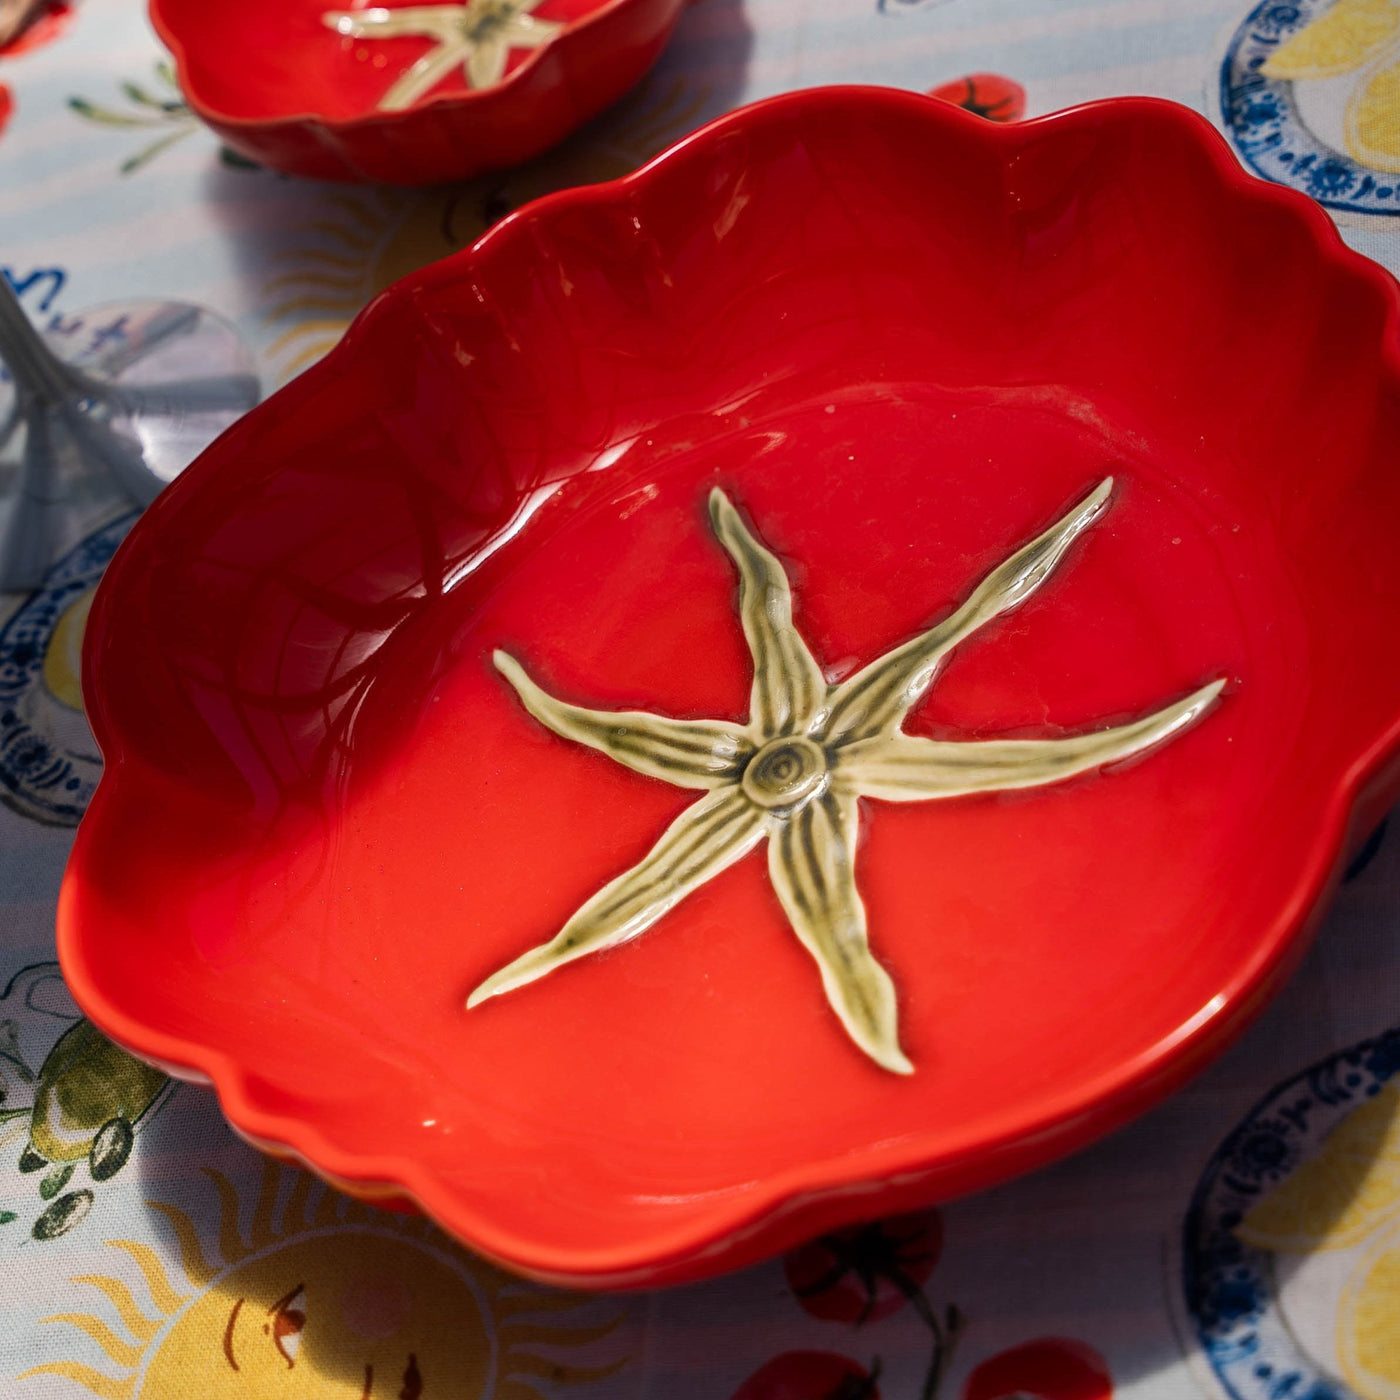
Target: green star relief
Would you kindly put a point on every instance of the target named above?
(478, 35)
(794, 774)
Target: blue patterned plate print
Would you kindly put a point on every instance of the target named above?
(1292, 132)
(49, 764)
(1235, 1291)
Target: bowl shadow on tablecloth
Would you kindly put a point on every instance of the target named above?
(265, 1268)
(1092, 1248)
(268, 1283)
(1087, 1250)
(271, 1263)
(312, 254)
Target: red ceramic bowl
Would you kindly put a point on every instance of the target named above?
(327, 89)
(904, 342)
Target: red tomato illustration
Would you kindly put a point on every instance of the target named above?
(990, 95)
(1049, 1368)
(868, 1272)
(811, 1375)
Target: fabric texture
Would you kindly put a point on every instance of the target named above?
(1242, 1240)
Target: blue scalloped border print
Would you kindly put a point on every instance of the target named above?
(1228, 1284)
(38, 777)
(1262, 121)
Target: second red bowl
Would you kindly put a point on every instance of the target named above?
(407, 94)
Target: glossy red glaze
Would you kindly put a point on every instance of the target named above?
(905, 339)
(281, 87)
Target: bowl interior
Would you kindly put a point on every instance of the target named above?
(264, 60)
(904, 344)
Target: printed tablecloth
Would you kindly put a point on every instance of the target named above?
(1243, 1239)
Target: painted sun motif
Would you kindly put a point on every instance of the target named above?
(361, 241)
(477, 37)
(325, 1299)
(793, 776)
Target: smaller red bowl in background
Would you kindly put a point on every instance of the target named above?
(279, 84)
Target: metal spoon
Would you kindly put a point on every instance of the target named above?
(114, 403)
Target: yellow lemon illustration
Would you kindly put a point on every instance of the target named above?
(1339, 40)
(335, 1301)
(1373, 119)
(1368, 1332)
(1341, 1195)
(63, 659)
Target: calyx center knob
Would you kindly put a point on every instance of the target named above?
(785, 773)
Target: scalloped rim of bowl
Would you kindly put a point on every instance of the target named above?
(783, 1209)
(517, 75)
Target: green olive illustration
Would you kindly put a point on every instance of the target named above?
(89, 1094)
(56, 1180)
(62, 1215)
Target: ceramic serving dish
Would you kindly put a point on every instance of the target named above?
(406, 94)
(802, 682)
